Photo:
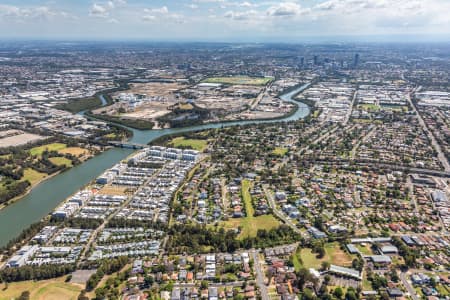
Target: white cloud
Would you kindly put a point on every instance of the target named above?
(192, 6)
(210, 1)
(240, 16)
(245, 4)
(161, 10)
(100, 11)
(11, 12)
(148, 18)
(284, 9)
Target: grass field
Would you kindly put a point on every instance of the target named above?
(369, 107)
(333, 255)
(33, 176)
(75, 151)
(75, 106)
(59, 161)
(365, 250)
(246, 186)
(195, 144)
(241, 80)
(443, 290)
(280, 151)
(50, 147)
(250, 224)
(54, 289)
(186, 106)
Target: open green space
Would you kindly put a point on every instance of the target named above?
(182, 142)
(250, 224)
(280, 151)
(369, 107)
(242, 80)
(133, 123)
(333, 254)
(53, 289)
(75, 106)
(59, 161)
(33, 176)
(246, 185)
(49, 147)
(443, 290)
(364, 249)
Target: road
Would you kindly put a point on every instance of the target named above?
(349, 113)
(435, 144)
(261, 95)
(409, 287)
(260, 276)
(323, 136)
(377, 164)
(372, 129)
(411, 194)
(212, 284)
(278, 213)
(111, 216)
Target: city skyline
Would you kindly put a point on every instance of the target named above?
(227, 20)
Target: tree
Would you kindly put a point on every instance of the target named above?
(308, 295)
(351, 294)
(24, 296)
(325, 265)
(338, 293)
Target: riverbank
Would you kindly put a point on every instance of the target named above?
(37, 183)
(28, 190)
(43, 199)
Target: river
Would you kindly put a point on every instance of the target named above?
(50, 193)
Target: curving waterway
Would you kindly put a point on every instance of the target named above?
(50, 193)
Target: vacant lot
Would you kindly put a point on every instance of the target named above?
(154, 89)
(243, 80)
(49, 147)
(198, 145)
(333, 254)
(54, 289)
(113, 190)
(19, 139)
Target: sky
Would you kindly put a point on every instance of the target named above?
(226, 20)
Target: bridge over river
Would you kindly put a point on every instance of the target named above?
(46, 196)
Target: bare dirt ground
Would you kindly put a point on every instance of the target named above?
(19, 138)
(155, 89)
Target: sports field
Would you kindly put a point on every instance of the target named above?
(239, 80)
(54, 289)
